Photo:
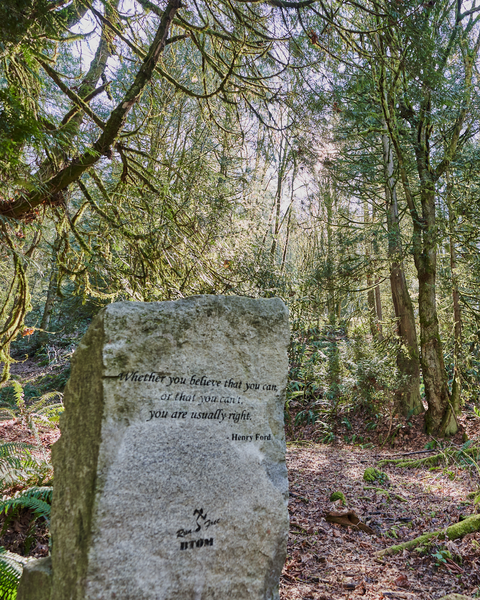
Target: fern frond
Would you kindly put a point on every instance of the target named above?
(6, 414)
(43, 492)
(51, 411)
(10, 448)
(18, 393)
(11, 567)
(37, 499)
(15, 455)
(44, 404)
(18, 465)
(39, 507)
(51, 395)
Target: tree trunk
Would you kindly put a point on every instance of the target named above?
(408, 399)
(287, 237)
(378, 298)
(50, 301)
(457, 313)
(439, 419)
(379, 311)
(332, 308)
(371, 307)
(417, 111)
(282, 167)
(372, 311)
(51, 296)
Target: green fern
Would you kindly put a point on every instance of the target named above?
(14, 457)
(19, 466)
(37, 499)
(11, 567)
(43, 409)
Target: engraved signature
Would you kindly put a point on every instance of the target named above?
(201, 521)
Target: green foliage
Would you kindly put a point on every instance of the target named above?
(35, 499)
(11, 567)
(373, 377)
(45, 409)
(371, 475)
(20, 466)
(338, 496)
(17, 127)
(182, 200)
(306, 417)
(313, 391)
(441, 555)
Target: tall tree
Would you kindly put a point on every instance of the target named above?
(75, 123)
(412, 95)
(422, 59)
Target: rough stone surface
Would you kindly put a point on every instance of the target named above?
(170, 477)
(36, 580)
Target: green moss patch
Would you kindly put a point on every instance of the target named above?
(371, 474)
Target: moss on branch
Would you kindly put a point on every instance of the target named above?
(458, 530)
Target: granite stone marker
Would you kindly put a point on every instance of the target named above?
(170, 476)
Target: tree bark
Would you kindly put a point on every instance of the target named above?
(51, 295)
(438, 418)
(371, 288)
(408, 399)
(378, 308)
(457, 312)
(333, 309)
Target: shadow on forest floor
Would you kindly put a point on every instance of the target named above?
(328, 561)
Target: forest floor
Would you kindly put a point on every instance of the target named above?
(326, 560)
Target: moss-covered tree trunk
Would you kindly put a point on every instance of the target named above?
(372, 313)
(457, 311)
(438, 418)
(332, 300)
(408, 399)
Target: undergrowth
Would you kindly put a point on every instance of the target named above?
(11, 567)
(19, 466)
(36, 502)
(334, 376)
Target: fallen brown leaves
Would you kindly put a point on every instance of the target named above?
(327, 561)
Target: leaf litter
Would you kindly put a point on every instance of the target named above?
(327, 561)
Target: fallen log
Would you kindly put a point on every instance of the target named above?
(469, 455)
(455, 531)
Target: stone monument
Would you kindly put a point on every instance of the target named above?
(170, 477)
